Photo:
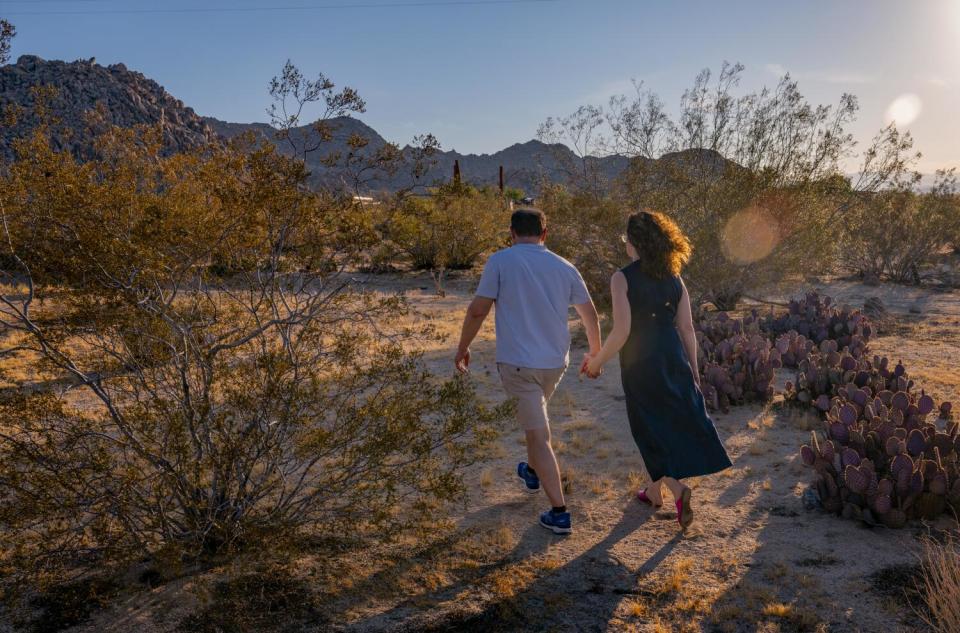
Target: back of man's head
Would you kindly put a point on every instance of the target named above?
(528, 222)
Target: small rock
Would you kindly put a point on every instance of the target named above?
(915, 309)
(874, 308)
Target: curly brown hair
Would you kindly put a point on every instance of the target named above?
(662, 248)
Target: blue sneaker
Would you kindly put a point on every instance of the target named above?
(529, 477)
(559, 523)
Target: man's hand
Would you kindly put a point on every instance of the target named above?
(462, 360)
(477, 311)
(585, 367)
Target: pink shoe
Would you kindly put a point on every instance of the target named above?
(684, 513)
(643, 498)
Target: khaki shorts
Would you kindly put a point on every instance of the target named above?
(532, 388)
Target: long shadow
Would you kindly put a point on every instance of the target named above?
(583, 594)
(811, 571)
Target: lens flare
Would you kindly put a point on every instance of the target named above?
(750, 235)
(903, 110)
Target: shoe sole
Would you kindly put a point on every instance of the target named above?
(557, 530)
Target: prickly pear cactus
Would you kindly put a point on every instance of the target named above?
(896, 460)
(738, 363)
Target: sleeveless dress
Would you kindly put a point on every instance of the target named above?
(667, 413)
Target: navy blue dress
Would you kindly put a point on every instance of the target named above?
(667, 413)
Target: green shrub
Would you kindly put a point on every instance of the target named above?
(450, 229)
(219, 413)
(894, 234)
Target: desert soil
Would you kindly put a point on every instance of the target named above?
(754, 559)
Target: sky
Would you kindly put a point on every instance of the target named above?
(482, 75)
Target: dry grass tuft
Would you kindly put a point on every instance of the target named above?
(636, 608)
(500, 539)
(511, 580)
(777, 610)
(940, 586)
(580, 425)
(660, 627)
(569, 476)
(636, 480)
(579, 444)
(674, 580)
(600, 486)
(804, 419)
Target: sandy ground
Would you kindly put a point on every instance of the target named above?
(754, 560)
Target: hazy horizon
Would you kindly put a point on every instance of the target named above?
(483, 75)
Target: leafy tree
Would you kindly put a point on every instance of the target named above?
(448, 230)
(585, 229)
(205, 412)
(756, 180)
(894, 233)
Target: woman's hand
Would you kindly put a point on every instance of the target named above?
(593, 367)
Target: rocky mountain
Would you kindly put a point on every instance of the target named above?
(128, 98)
(525, 165)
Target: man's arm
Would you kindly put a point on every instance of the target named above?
(477, 311)
(621, 326)
(591, 323)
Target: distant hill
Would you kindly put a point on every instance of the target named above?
(129, 98)
(525, 165)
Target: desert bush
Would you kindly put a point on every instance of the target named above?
(586, 230)
(450, 229)
(940, 584)
(893, 234)
(755, 180)
(210, 413)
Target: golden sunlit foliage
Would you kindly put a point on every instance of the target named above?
(229, 385)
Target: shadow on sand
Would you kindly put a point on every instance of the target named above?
(582, 594)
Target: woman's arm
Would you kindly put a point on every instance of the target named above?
(621, 325)
(688, 336)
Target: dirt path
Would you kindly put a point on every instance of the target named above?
(756, 559)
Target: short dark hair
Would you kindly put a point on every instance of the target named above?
(528, 222)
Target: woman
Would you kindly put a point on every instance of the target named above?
(653, 331)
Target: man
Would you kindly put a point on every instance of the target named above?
(533, 290)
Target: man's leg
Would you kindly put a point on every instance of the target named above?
(539, 449)
(541, 456)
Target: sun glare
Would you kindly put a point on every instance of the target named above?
(750, 235)
(903, 110)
